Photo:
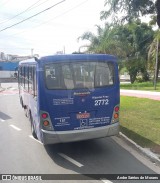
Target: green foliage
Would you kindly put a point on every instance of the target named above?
(146, 86)
(139, 119)
(157, 5)
(129, 42)
(152, 54)
(132, 9)
(139, 79)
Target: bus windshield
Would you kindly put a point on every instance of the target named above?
(74, 75)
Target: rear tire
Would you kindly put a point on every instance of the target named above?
(26, 111)
(32, 126)
(21, 102)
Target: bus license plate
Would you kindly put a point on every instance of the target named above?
(83, 115)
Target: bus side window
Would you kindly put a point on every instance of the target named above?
(21, 80)
(25, 78)
(111, 75)
(30, 80)
(67, 77)
(23, 74)
(49, 81)
(102, 77)
(34, 81)
(20, 76)
(53, 77)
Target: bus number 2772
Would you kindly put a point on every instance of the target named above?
(101, 102)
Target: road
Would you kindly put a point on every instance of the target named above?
(22, 154)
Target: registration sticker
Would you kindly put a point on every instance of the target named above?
(83, 115)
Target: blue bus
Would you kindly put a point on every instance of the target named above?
(70, 97)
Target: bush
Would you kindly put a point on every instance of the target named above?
(139, 79)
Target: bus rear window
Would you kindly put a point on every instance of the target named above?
(76, 75)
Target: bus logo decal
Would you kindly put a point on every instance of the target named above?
(63, 101)
(82, 94)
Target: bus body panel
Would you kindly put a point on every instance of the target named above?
(74, 114)
(53, 137)
(71, 112)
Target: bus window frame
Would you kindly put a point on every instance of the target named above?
(68, 62)
(29, 84)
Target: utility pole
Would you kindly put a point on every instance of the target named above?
(156, 66)
(32, 52)
(64, 50)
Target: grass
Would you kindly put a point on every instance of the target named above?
(140, 120)
(148, 86)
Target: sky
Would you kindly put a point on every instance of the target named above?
(56, 29)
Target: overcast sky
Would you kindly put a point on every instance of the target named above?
(50, 31)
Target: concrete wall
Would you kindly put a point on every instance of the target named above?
(7, 74)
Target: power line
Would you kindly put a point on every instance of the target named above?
(16, 48)
(26, 10)
(32, 16)
(39, 4)
(64, 13)
(29, 8)
(4, 3)
(51, 19)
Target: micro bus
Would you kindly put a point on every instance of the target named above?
(70, 97)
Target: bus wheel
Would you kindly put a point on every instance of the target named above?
(26, 111)
(21, 102)
(32, 126)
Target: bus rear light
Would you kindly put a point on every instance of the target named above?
(116, 109)
(44, 115)
(46, 123)
(116, 115)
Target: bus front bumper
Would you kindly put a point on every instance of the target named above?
(53, 137)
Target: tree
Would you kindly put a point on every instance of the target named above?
(136, 36)
(128, 42)
(93, 39)
(152, 54)
(131, 9)
(157, 5)
(106, 41)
